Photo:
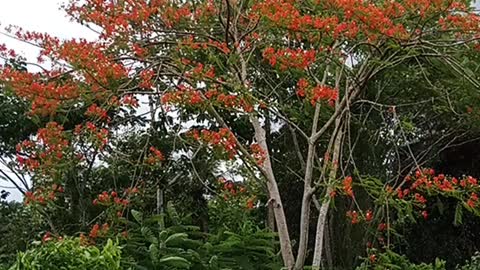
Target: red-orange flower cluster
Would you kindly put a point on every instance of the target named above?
(353, 215)
(348, 18)
(425, 182)
(347, 186)
(317, 93)
(224, 139)
(46, 96)
(98, 231)
(155, 156)
(46, 151)
(289, 58)
(43, 196)
(108, 199)
(228, 100)
(258, 153)
(97, 112)
(184, 95)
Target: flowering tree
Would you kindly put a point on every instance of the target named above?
(301, 64)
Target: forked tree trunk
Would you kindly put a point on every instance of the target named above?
(274, 193)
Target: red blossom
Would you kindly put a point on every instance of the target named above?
(258, 153)
(419, 198)
(250, 203)
(289, 58)
(47, 237)
(382, 227)
(130, 100)
(353, 215)
(223, 139)
(369, 216)
(155, 156)
(94, 231)
(347, 186)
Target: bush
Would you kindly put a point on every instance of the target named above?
(162, 242)
(18, 226)
(69, 254)
(391, 260)
(472, 264)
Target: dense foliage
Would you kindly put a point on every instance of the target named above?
(242, 134)
(69, 254)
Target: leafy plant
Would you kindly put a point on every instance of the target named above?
(250, 248)
(392, 260)
(69, 254)
(152, 245)
(18, 226)
(162, 242)
(472, 264)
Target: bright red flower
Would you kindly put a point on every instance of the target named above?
(353, 215)
(47, 237)
(347, 186)
(369, 216)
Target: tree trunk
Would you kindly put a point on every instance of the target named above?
(160, 207)
(270, 210)
(307, 196)
(275, 198)
(270, 217)
(322, 216)
(328, 244)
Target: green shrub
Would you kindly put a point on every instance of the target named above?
(394, 261)
(163, 243)
(472, 264)
(69, 254)
(18, 226)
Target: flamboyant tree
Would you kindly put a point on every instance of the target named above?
(301, 64)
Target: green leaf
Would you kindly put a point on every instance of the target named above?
(175, 237)
(137, 216)
(149, 236)
(175, 261)
(458, 215)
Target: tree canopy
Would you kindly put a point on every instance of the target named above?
(323, 121)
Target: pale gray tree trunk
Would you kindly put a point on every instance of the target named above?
(323, 212)
(275, 198)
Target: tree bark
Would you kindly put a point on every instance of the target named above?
(274, 193)
(270, 218)
(307, 196)
(275, 199)
(322, 216)
(328, 243)
(160, 207)
(317, 256)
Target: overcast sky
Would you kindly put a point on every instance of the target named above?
(40, 16)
